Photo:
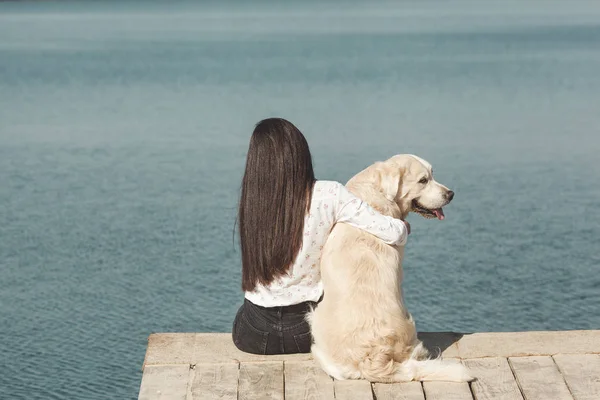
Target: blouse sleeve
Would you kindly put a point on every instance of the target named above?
(355, 212)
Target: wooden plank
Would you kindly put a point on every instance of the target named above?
(447, 391)
(202, 348)
(214, 381)
(443, 390)
(494, 379)
(306, 380)
(193, 348)
(352, 389)
(261, 381)
(162, 382)
(169, 348)
(539, 378)
(219, 347)
(519, 344)
(582, 373)
(169, 356)
(398, 391)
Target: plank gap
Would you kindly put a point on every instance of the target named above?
(495, 379)
(237, 385)
(563, 376)
(334, 393)
(189, 394)
(539, 378)
(516, 378)
(471, 389)
(581, 374)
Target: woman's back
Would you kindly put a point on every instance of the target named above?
(330, 203)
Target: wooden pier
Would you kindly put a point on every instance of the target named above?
(561, 365)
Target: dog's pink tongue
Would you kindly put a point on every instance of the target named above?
(439, 213)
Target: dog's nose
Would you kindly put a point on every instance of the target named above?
(450, 195)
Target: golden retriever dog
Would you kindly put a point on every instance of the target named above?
(361, 328)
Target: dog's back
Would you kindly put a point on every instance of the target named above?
(362, 313)
(361, 328)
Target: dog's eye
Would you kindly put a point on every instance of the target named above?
(423, 180)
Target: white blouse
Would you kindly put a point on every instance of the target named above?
(331, 202)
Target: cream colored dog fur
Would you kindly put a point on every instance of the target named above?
(361, 328)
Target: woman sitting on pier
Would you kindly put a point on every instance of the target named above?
(285, 216)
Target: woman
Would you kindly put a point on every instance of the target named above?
(285, 216)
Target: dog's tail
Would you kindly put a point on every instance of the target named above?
(432, 370)
(414, 369)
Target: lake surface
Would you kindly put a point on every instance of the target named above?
(123, 132)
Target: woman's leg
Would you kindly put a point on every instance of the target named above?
(276, 330)
(249, 332)
(296, 332)
(298, 339)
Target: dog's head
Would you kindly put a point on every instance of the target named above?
(407, 184)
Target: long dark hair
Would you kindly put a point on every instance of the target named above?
(276, 193)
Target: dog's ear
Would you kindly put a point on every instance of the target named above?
(390, 178)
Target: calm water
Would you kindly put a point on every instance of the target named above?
(123, 131)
